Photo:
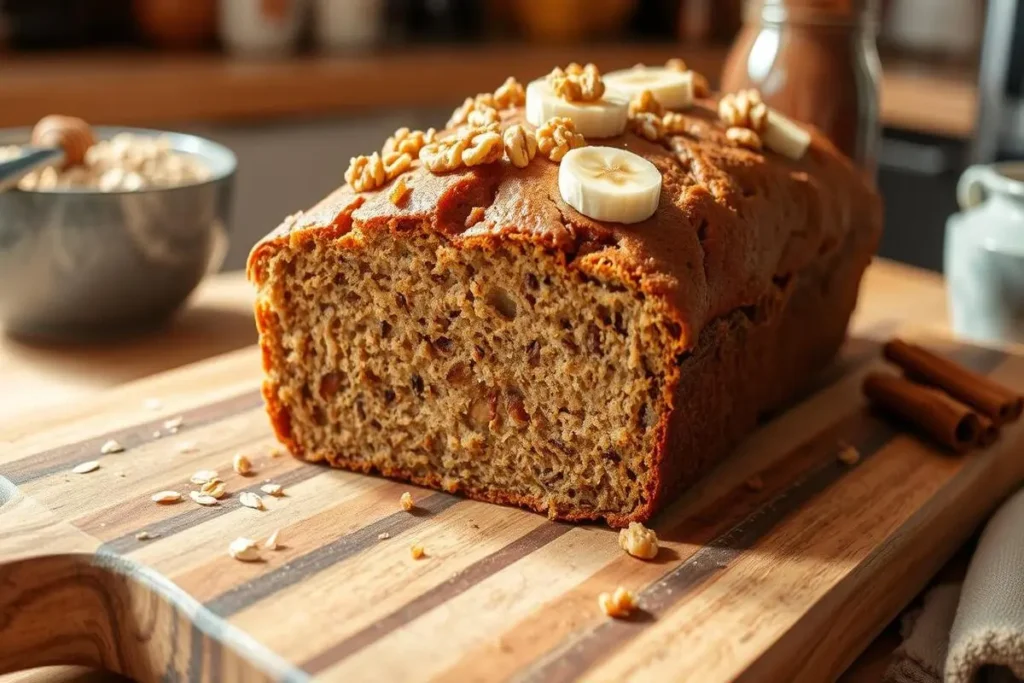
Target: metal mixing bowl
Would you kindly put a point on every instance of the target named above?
(80, 264)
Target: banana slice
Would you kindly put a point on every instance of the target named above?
(674, 89)
(785, 136)
(604, 118)
(609, 184)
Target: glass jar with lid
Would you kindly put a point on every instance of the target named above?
(815, 61)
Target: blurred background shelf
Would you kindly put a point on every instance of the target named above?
(169, 88)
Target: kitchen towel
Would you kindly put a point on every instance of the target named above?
(974, 632)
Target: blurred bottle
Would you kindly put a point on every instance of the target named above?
(349, 24)
(261, 28)
(816, 61)
(703, 21)
(443, 21)
(59, 24)
(175, 24)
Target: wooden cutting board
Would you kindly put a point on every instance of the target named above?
(788, 581)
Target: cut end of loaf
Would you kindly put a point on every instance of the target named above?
(494, 371)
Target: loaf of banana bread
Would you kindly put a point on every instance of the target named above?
(459, 325)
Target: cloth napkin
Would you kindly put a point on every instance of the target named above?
(972, 632)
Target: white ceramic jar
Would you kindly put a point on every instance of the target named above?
(984, 254)
(348, 24)
(255, 28)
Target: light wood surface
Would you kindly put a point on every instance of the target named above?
(157, 89)
(801, 578)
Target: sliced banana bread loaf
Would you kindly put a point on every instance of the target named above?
(470, 331)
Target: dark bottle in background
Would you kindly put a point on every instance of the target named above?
(815, 61)
(443, 20)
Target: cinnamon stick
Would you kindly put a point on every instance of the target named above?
(990, 398)
(988, 433)
(949, 422)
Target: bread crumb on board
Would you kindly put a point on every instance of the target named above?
(639, 541)
(406, 501)
(619, 604)
(848, 455)
(241, 464)
(417, 551)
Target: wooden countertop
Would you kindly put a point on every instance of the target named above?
(219, 319)
(162, 89)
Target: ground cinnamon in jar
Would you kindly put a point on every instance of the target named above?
(815, 61)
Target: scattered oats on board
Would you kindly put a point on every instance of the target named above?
(143, 536)
(406, 501)
(417, 551)
(202, 498)
(250, 500)
(383, 536)
(848, 455)
(152, 404)
(619, 604)
(203, 476)
(273, 489)
(639, 541)
(241, 464)
(271, 542)
(166, 497)
(157, 434)
(215, 487)
(174, 424)
(111, 447)
(244, 550)
(755, 483)
(86, 467)
(188, 447)
(276, 452)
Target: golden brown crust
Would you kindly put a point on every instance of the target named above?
(755, 257)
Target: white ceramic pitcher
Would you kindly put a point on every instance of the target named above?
(984, 254)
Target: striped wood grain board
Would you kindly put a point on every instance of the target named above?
(788, 582)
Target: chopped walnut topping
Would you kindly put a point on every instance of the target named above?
(471, 147)
(485, 147)
(744, 137)
(639, 541)
(405, 141)
(744, 110)
(406, 501)
(676, 64)
(481, 102)
(396, 163)
(417, 551)
(520, 145)
(557, 136)
(674, 122)
(241, 464)
(366, 172)
(510, 94)
(648, 126)
(576, 83)
(619, 604)
(645, 102)
(482, 117)
(399, 192)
